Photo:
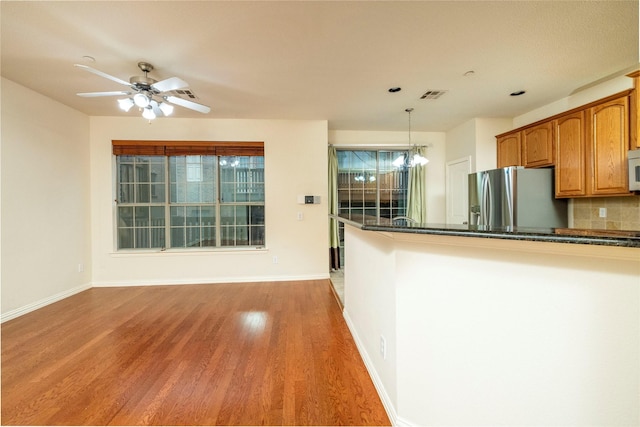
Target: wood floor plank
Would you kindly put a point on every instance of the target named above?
(274, 353)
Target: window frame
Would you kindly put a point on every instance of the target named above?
(169, 149)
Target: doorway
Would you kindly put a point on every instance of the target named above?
(457, 191)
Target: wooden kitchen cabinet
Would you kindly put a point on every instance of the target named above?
(634, 108)
(509, 150)
(538, 145)
(571, 157)
(591, 150)
(532, 147)
(607, 145)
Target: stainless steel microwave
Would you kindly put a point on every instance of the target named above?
(634, 170)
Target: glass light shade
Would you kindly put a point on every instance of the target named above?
(148, 114)
(125, 104)
(167, 109)
(418, 160)
(399, 161)
(141, 100)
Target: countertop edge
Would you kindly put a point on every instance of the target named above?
(515, 235)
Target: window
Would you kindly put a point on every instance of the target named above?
(370, 186)
(174, 196)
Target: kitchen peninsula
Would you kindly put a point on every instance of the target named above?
(465, 326)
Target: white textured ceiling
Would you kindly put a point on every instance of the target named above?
(330, 60)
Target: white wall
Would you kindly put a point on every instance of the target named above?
(45, 200)
(295, 164)
(374, 311)
(597, 90)
(496, 332)
(476, 138)
(435, 169)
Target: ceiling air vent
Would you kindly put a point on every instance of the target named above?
(433, 94)
(184, 92)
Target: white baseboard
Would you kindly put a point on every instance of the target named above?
(377, 382)
(212, 280)
(42, 303)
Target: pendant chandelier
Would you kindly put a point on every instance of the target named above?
(411, 160)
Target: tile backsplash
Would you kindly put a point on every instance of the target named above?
(622, 213)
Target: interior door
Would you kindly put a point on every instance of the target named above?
(457, 192)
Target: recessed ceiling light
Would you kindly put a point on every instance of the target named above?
(87, 58)
(518, 93)
(395, 89)
(469, 73)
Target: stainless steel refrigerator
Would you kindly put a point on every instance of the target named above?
(515, 197)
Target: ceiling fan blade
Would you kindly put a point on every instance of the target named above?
(188, 104)
(101, 74)
(94, 94)
(172, 83)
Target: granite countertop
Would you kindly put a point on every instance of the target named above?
(625, 238)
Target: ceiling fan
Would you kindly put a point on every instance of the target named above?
(153, 97)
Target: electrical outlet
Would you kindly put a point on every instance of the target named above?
(275, 259)
(300, 216)
(603, 212)
(383, 347)
(80, 268)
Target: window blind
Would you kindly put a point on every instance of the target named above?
(187, 148)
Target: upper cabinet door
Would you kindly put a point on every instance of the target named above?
(608, 142)
(537, 145)
(509, 150)
(571, 158)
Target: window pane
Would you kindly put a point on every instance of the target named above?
(242, 236)
(125, 238)
(208, 236)
(157, 172)
(177, 238)
(257, 235)
(126, 172)
(228, 235)
(142, 216)
(192, 237)
(193, 179)
(142, 238)
(242, 216)
(157, 216)
(228, 193)
(228, 215)
(193, 216)
(208, 192)
(177, 216)
(143, 193)
(157, 237)
(193, 192)
(125, 216)
(157, 193)
(257, 215)
(208, 215)
(126, 193)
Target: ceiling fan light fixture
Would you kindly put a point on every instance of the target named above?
(125, 104)
(167, 109)
(141, 100)
(148, 113)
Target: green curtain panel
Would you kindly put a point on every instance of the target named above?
(416, 193)
(334, 237)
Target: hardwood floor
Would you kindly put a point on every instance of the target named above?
(221, 354)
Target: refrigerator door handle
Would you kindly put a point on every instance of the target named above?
(509, 196)
(485, 203)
